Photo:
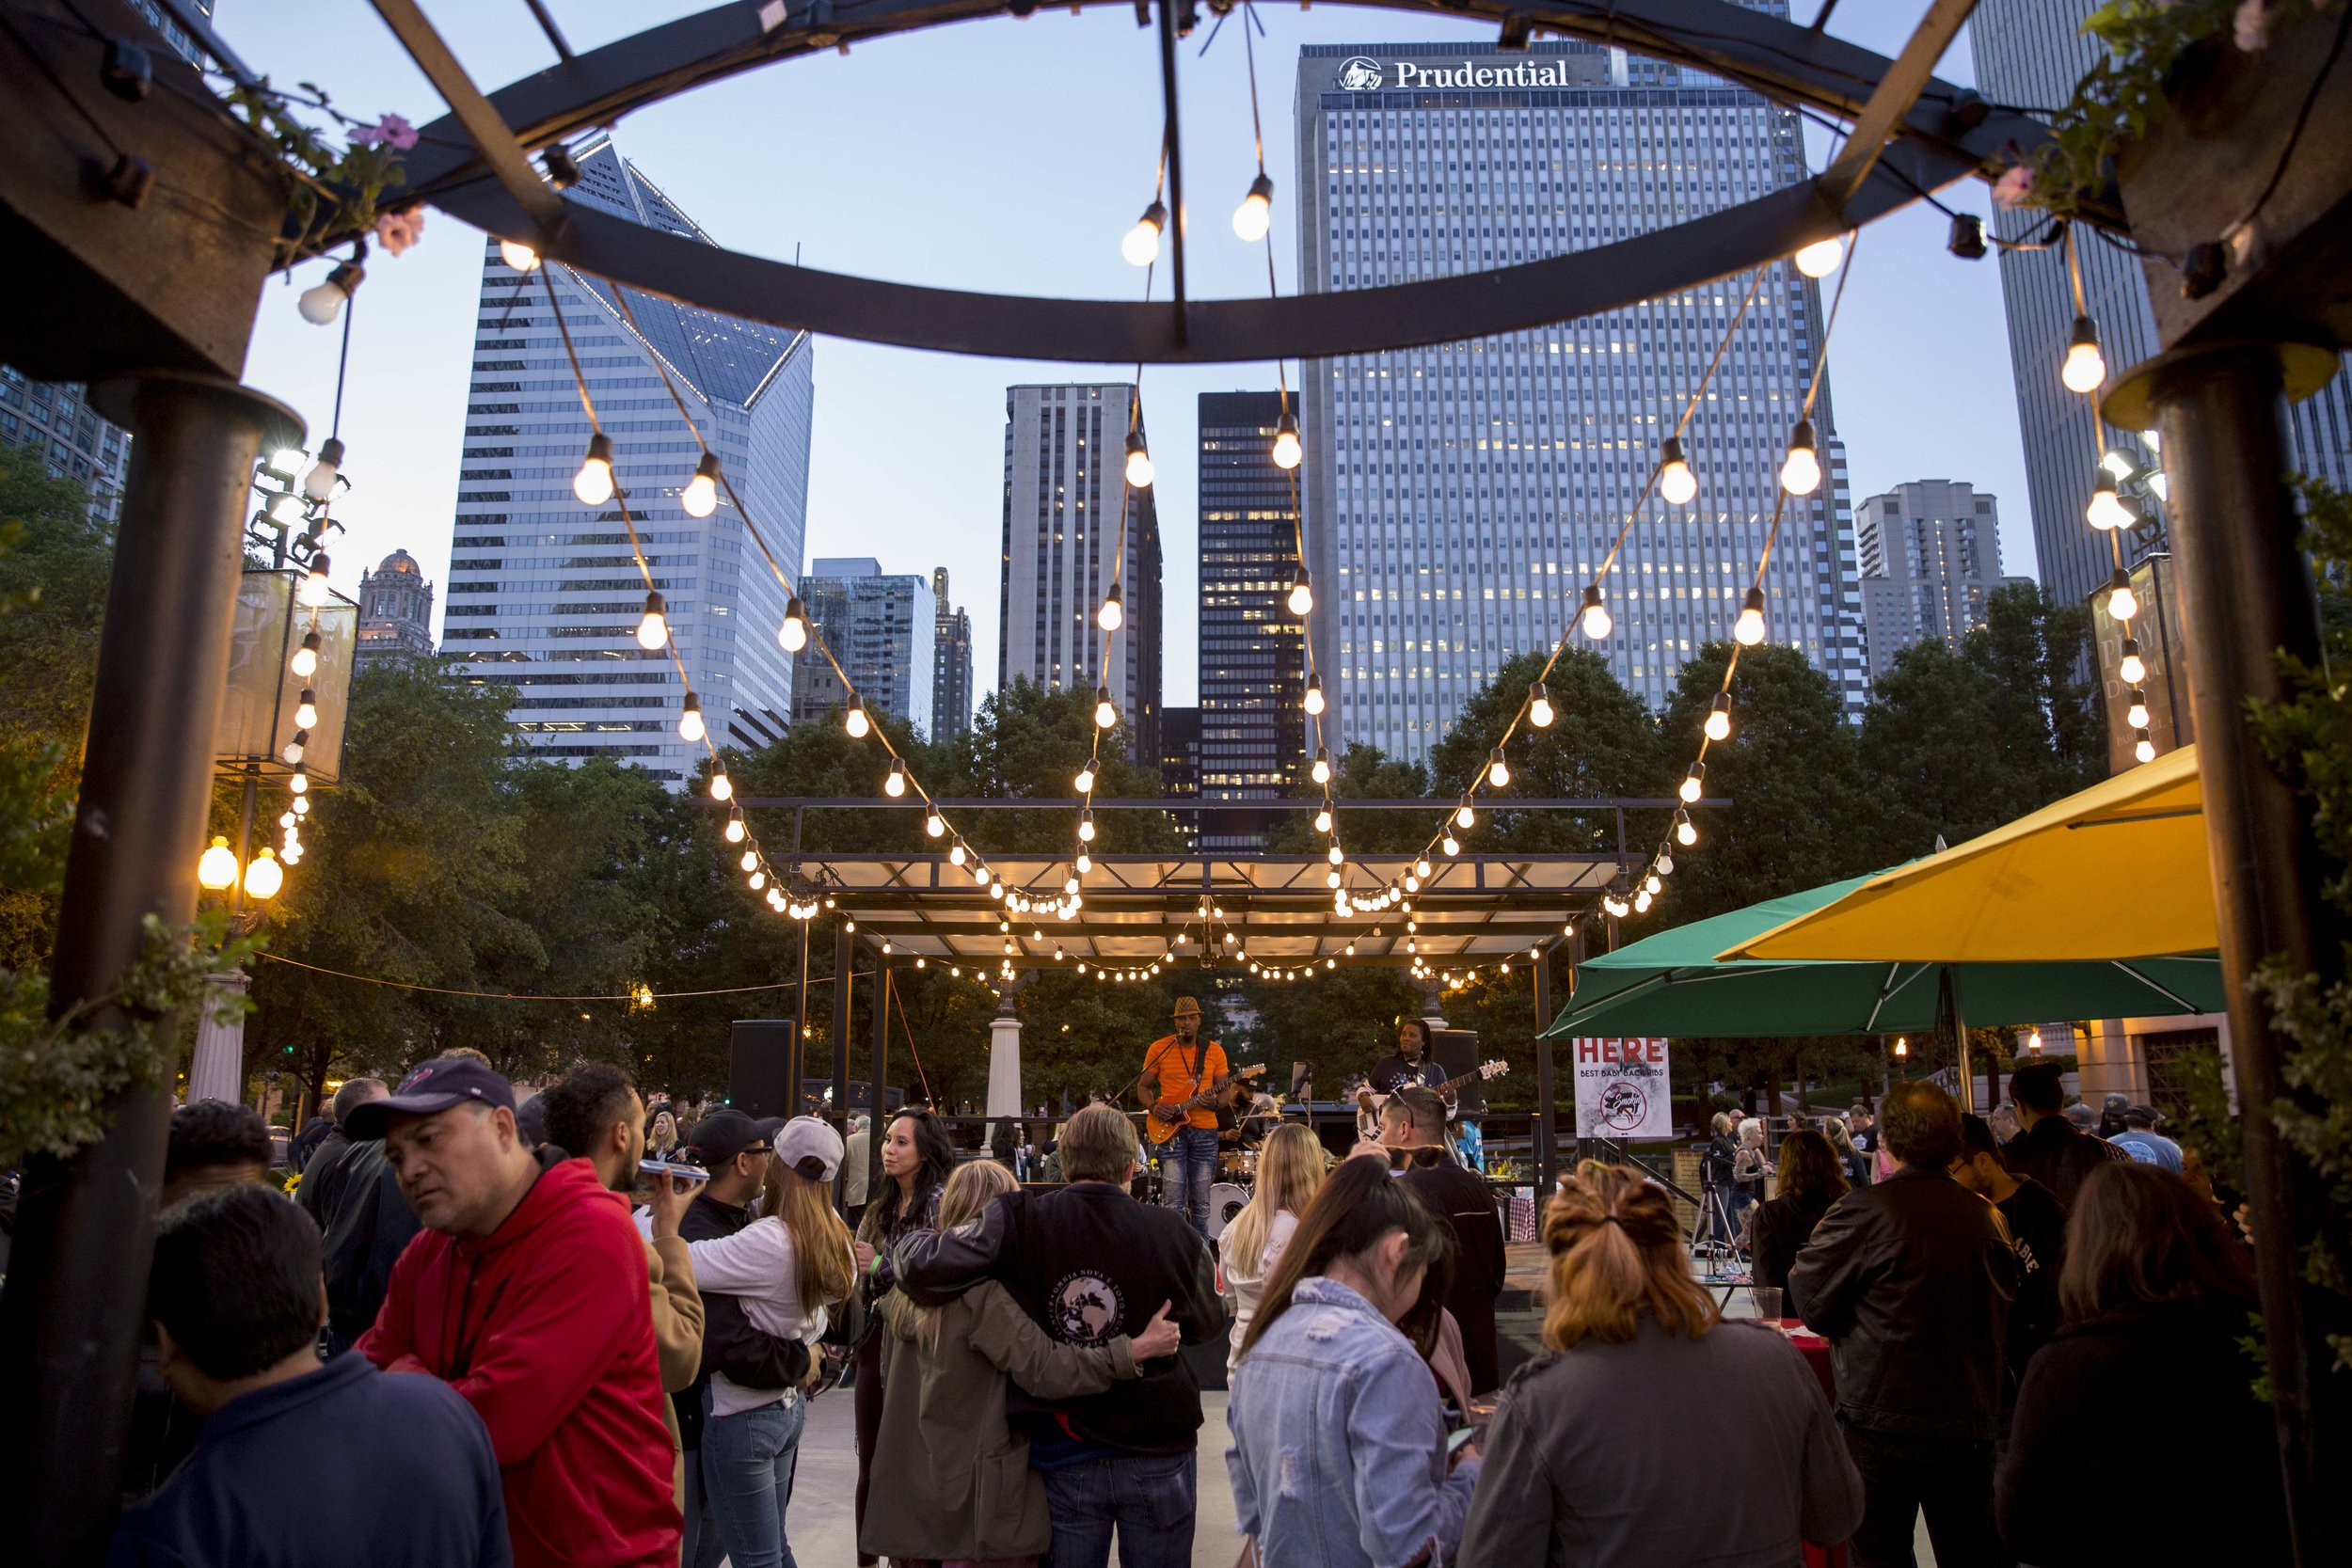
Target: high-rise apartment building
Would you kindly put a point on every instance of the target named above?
(1253, 650)
(1930, 556)
(2034, 51)
(1066, 543)
(544, 592)
(395, 612)
(1460, 497)
(951, 664)
(880, 627)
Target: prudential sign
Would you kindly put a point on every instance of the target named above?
(1362, 73)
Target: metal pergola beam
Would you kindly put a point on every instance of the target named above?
(491, 138)
(1897, 91)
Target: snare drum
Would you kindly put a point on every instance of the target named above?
(1225, 1200)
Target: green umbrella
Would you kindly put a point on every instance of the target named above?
(1672, 984)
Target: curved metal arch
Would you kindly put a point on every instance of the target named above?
(1785, 62)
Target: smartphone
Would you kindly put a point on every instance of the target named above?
(674, 1167)
(1460, 1436)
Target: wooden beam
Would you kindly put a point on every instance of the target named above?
(1882, 117)
(490, 134)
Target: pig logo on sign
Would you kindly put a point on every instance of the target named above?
(1623, 1106)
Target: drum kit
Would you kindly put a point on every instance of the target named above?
(1236, 1168)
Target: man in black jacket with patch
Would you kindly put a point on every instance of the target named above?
(1912, 1280)
(1090, 1264)
(2051, 1150)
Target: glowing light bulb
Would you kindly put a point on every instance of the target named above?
(1138, 462)
(2086, 367)
(305, 663)
(217, 868)
(1800, 470)
(1084, 863)
(319, 484)
(1594, 617)
(1451, 844)
(1820, 257)
(2144, 746)
(2122, 603)
(792, 634)
(750, 861)
(1320, 770)
(1693, 783)
(689, 718)
(1676, 481)
(592, 484)
(1287, 452)
(1086, 827)
(1748, 630)
(298, 785)
(1686, 832)
(517, 256)
(1302, 594)
(2134, 669)
(1336, 855)
(293, 753)
(1141, 243)
(1498, 771)
(1322, 820)
(306, 709)
(895, 782)
(321, 303)
(1539, 709)
(1106, 711)
(722, 787)
(1085, 781)
(956, 853)
(1463, 815)
(1314, 695)
(264, 876)
(734, 830)
(653, 628)
(314, 592)
(2137, 714)
(701, 496)
(1255, 215)
(2106, 512)
(934, 825)
(979, 874)
(854, 721)
(1719, 718)
(1114, 611)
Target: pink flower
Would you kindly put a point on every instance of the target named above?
(2251, 25)
(397, 231)
(392, 130)
(2014, 188)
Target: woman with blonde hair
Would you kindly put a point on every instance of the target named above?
(1587, 1458)
(1291, 1166)
(662, 1139)
(954, 1483)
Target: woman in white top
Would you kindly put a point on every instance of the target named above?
(1291, 1166)
(787, 1268)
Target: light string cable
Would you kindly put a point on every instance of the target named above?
(633, 996)
(2121, 602)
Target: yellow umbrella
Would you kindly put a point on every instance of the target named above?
(2118, 871)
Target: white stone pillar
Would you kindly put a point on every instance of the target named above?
(1004, 1069)
(218, 1071)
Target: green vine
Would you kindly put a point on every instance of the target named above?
(58, 1075)
(337, 193)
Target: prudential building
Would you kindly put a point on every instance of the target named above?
(1460, 497)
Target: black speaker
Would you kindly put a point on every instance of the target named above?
(1457, 1051)
(759, 1076)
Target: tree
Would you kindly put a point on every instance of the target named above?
(1363, 773)
(1603, 743)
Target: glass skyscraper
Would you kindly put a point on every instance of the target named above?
(951, 664)
(543, 595)
(1460, 498)
(880, 627)
(1253, 650)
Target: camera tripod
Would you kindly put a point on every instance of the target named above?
(1713, 1236)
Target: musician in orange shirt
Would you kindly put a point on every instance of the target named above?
(1179, 1072)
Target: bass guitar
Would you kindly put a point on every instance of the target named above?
(1166, 1115)
(1368, 1103)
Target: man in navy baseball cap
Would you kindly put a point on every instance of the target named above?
(434, 1085)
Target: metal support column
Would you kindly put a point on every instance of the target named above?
(877, 1077)
(75, 1303)
(844, 961)
(2246, 597)
(1547, 1108)
(799, 1035)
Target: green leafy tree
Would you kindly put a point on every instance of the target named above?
(1603, 743)
(1362, 773)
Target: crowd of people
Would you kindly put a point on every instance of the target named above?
(585, 1329)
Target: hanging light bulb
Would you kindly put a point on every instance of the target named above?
(1693, 783)
(2086, 367)
(517, 256)
(1594, 617)
(792, 634)
(1498, 771)
(701, 496)
(293, 753)
(1255, 215)
(319, 484)
(689, 718)
(305, 663)
(934, 825)
(2106, 512)
(2143, 746)
(1666, 864)
(1820, 257)
(1086, 826)
(1114, 611)
(2134, 669)
(2122, 603)
(1084, 863)
(956, 853)
(306, 709)
(1686, 834)
(1748, 630)
(1539, 711)
(751, 859)
(1652, 885)
(895, 782)
(1287, 451)
(1800, 470)
(1141, 243)
(298, 785)
(758, 881)
(853, 719)
(264, 876)
(1719, 718)
(1451, 844)
(2137, 714)
(735, 828)
(1642, 902)
(979, 874)
(314, 590)
(722, 787)
(1463, 815)
(1322, 820)
(1106, 711)
(1085, 781)
(301, 805)
(217, 868)
(1320, 770)
(1138, 462)
(321, 303)
(1676, 481)
(1314, 696)
(1336, 855)
(1302, 594)
(592, 484)
(653, 628)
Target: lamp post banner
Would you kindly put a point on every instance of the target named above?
(1622, 1089)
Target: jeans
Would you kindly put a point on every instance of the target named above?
(748, 1461)
(1905, 1474)
(1187, 1168)
(1147, 1496)
(699, 1547)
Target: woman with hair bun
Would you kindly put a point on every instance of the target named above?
(1589, 1457)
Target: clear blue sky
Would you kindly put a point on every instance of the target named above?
(1005, 155)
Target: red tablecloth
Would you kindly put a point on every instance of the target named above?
(1816, 1352)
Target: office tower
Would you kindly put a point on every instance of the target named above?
(880, 626)
(544, 592)
(1180, 770)
(1253, 650)
(1930, 556)
(1065, 457)
(395, 612)
(1460, 497)
(951, 664)
(2034, 51)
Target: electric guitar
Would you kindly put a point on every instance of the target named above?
(1169, 1114)
(1368, 1103)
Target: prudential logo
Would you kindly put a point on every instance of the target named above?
(1360, 74)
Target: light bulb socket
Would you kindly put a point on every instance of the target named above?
(1135, 447)
(600, 449)
(1801, 436)
(2085, 334)
(656, 604)
(708, 467)
(311, 642)
(1722, 705)
(1260, 189)
(1670, 452)
(348, 277)
(1287, 425)
(1966, 240)
(1156, 215)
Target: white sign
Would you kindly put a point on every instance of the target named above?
(1622, 1089)
(1362, 73)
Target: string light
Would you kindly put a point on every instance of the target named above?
(653, 628)
(319, 484)
(1539, 711)
(2136, 716)
(1086, 826)
(517, 256)
(689, 718)
(1498, 771)
(722, 787)
(1820, 257)
(217, 868)
(298, 785)
(1084, 863)
(1302, 594)
(321, 303)
(1693, 783)
(1748, 630)
(1719, 718)
(751, 859)
(1085, 781)
(854, 721)
(1314, 695)
(701, 496)
(956, 853)
(792, 634)
(1141, 243)
(1114, 611)
(2134, 669)
(2086, 367)
(306, 709)
(305, 663)
(1321, 771)
(1255, 215)
(735, 828)
(1337, 856)
(1800, 470)
(895, 782)
(1594, 617)
(314, 590)
(1138, 462)
(1676, 481)
(1463, 815)
(294, 748)
(1287, 452)
(934, 825)
(2143, 746)
(2106, 512)
(1322, 820)
(1106, 711)
(2122, 603)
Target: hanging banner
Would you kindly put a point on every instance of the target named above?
(1621, 1089)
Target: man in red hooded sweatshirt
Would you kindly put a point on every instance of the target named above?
(526, 1293)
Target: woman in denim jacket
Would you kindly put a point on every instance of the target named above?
(1338, 1457)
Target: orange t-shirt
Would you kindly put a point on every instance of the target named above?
(1170, 1059)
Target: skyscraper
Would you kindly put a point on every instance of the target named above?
(1460, 498)
(395, 612)
(1253, 650)
(880, 626)
(544, 595)
(1930, 556)
(2034, 51)
(1064, 459)
(951, 664)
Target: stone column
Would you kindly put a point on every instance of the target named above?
(1004, 1066)
(218, 1071)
